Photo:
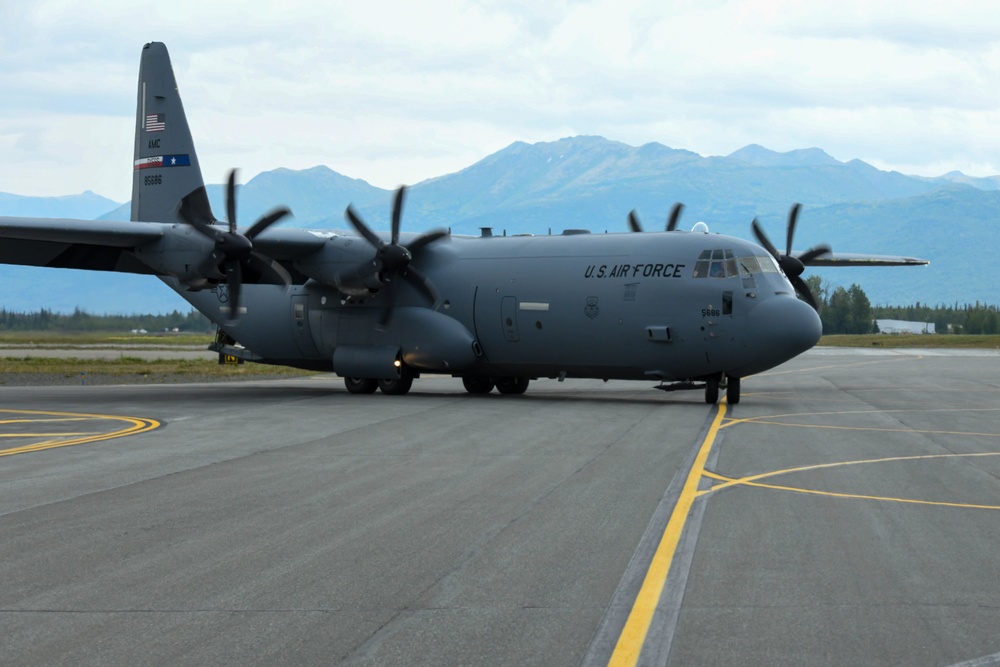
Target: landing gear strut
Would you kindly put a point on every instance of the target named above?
(731, 384)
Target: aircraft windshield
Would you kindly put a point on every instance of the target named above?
(717, 263)
(767, 264)
(722, 263)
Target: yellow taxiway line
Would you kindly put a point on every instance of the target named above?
(633, 635)
(135, 425)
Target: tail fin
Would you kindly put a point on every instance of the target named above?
(166, 177)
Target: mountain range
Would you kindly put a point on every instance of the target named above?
(592, 183)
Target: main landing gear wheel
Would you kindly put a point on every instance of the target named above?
(361, 385)
(397, 386)
(477, 384)
(732, 390)
(512, 385)
(712, 390)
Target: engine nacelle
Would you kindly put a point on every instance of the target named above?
(339, 262)
(423, 339)
(183, 252)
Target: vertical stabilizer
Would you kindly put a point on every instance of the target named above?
(166, 175)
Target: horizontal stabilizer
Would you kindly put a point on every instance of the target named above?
(862, 259)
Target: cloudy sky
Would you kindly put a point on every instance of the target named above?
(395, 92)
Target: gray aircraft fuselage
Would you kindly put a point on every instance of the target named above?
(623, 306)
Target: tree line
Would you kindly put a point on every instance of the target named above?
(848, 311)
(82, 321)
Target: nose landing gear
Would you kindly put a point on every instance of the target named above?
(711, 384)
(729, 382)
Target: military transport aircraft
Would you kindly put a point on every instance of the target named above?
(688, 309)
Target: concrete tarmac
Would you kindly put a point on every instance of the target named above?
(847, 513)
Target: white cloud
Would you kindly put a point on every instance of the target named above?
(394, 92)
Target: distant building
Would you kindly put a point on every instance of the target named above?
(903, 327)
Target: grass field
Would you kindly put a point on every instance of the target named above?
(935, 341)
(128, 368)
(134, 364)
(71, 339)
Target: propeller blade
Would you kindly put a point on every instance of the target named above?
(425, 240)
(633, 221)
(389, 293)
(675, 215)
(397, 213)
(814, 252)
(234, 278)
(793, 217)
(802, 289)
(425, 286)
(231, 201)
(268, 268)
(362, 228)
(266, 221)
(758, 232)
(205, 228)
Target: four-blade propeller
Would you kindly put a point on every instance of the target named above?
(233, 251)
(393, 260)
(791, 265)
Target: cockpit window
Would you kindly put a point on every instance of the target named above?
(768, 265)
(717, 263)
(722, 263)
(748, 266)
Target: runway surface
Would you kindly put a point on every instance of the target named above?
(847, 511)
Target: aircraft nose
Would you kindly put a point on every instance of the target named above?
(782, 327)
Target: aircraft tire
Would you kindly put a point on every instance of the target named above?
(512, 385)
(361, 385)
(397, 386)
(712, 390)
(732, 390)
(477, 384)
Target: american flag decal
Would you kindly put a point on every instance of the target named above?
(156, 122)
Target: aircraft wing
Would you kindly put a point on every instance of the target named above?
(861, 259)
(289, 243)
(99, 245)
(105, 245)
(88, 232)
